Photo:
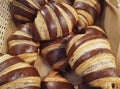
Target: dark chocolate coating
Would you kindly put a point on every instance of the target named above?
(23, 13)
(49, 22)
(9, 62)
(55, 56)
(63, 68)
(78, 29)
(89, 55)
(82, 40)
(107, 72)
(22, 48)
(51, 42)
(30, 87)
(70, 15)
(84, 85)
(18, 37)
(94, 31)
(91, 10)
(19, 73)
(27, 4)
(26, 28)
(56, 85)
(65, 1)
(61, 19)
(35, 33)
(40, 2)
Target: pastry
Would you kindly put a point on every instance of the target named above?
(25, 10)
(55, 81)
(21, 44)
(54, 20)
(62, 1)
(88, 11)
(55, 54)
(91, 58)
(15, 74)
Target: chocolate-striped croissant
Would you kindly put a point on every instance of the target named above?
(55, 20)
(21, 44)
(84, 85)
(15, 74)
(55, 54)
(88, 11)
(25, 10)
(90, 57)
(55, 81)
(62, 1)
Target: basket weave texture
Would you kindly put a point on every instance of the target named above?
(4, 20)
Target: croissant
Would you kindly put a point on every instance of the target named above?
(25, 10)
(55, 81)
(21, 44)
(55, 54)
(84, 85)
(91, 58)
(62, 1)
(88, 11)
(54, 20)
(15, 74)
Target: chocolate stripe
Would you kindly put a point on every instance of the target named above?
(84, 85)
(84, 39)
(27, 4)
(22, 48)
(35, 33)
(40, 2)
(50, 22)
(89, 55)
(94, 31)
(56, 85)
(70, 15)
(51, 42)
(61, 19)
(9, 62)
(30, 87)
(107, 72)
(84, 6)
(55, 55)
(19, 73)
(24, 13)
(18, 37)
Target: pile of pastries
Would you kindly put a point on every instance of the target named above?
(63, 33)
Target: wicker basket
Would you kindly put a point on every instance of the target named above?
(112, 10)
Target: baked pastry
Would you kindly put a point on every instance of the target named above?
(25, 10)
(84, 85)
(55, 20)
(21, 44)
(55, 81)
(55, 54)
(88, 11)
(91, 58)
(27, 27)
(62, 1)
(15, 74)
